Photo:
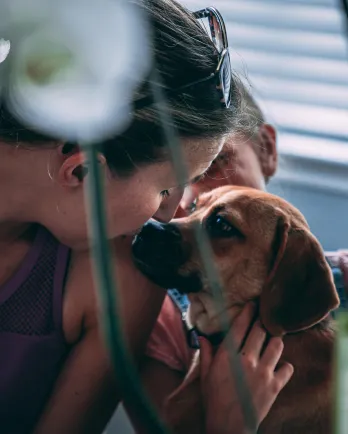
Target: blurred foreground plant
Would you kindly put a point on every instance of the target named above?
(69, 69)
(73, 64)
(341, 374)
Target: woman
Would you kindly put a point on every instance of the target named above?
(55, 374)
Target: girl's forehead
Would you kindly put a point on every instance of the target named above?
(238, 139)
(203, 149)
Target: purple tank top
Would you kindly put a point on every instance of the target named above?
(32, 345)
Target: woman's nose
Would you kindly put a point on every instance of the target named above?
(168, 207)
(189, 196)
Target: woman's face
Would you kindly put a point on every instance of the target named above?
(151, 191)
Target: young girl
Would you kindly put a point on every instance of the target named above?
(248, 158)
(55, 375)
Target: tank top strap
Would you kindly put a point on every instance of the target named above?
(27, 265)
(32, 300)
(60, 274)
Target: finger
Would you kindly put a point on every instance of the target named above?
(255, 341)
(283, 374)
(344, 267)
(241, 324)
(272, 353)
(206, 356)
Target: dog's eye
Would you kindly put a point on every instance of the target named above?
(218, 227)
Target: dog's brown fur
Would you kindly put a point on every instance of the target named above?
(278, 262)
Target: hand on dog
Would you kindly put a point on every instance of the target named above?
(265, 377)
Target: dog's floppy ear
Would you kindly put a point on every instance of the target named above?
(300, 290)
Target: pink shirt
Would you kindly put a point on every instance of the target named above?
(167, 343)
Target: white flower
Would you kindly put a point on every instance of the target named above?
(73, 64)
(4, 49)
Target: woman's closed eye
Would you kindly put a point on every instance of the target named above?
(165, 193)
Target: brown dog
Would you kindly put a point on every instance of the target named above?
(264, 251)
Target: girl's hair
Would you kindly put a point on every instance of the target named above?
(250, 116)
(184, 53)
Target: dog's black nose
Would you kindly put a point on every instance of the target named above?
(161, 232)
(159, 251)
(159, 244)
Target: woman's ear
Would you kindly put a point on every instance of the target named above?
(268, 150)
(74, 168)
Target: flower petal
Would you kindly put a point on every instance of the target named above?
(4, 49)
(91, 113)
(116, 41)
(74, 73)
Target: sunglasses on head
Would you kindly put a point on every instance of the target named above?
(223, 71)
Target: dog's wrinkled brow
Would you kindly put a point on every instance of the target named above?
(208, 199)
(217, 209)
(203, 200)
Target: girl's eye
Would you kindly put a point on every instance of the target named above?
(165, 193)
(221, 159)
(220, 162)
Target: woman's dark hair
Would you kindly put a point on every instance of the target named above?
(183, 54)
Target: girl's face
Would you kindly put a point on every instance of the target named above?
(237, 164)
(241, 162)
(152, 191)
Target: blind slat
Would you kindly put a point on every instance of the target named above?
(294, 54)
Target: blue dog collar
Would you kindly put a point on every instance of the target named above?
(182, 302)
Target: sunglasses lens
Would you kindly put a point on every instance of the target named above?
(216, 33)
(226, 79)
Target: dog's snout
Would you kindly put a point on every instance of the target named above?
(159, 244)
(161, 233)
(159, 251)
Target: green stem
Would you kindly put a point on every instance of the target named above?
(126, 374)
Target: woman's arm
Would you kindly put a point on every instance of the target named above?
(87, 393)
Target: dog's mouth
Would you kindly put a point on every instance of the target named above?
(167, 278)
